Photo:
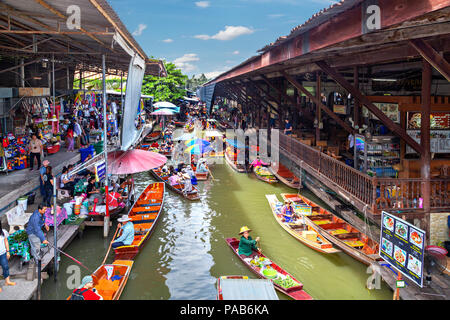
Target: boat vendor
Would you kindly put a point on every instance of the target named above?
(202, 167)
(287, 211)
(86, 291)
(187, 183)
(258, 163)
(127, 236)
(34, 231)
(247, 244)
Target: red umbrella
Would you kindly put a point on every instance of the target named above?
(134, 161)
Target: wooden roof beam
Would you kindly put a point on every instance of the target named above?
(334, 116)
(432, 57)
(369, 105)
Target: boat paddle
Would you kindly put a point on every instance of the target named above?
(70, 257)
(110, 245)
(210, 173)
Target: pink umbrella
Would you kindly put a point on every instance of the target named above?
(134, 161)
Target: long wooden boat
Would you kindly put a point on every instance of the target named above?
(233, 164)
(342, 234)
(271, 179)
(156, 173)
(295, 292)
(179, 123)
(144, 215)
(301, 229)
(284, 175)
(201, 176)
(153, 136)
(110, 279)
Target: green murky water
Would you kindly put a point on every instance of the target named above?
(187, 251)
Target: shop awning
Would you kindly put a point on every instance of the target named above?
(206, 94)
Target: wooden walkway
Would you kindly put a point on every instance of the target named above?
(25, 290)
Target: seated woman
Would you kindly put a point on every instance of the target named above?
(66, 182)
(127, 236)
(202, 167)
(287, 212)
(174, 179)
(92, 191)
(187, 183)
(247, 244)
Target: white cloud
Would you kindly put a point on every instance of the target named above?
(203, 4)
(184, 62)
(140, 29)
(236, 52)
(213, 74)
(168, 40)
(230, 33)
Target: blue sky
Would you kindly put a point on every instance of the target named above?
(211, 36)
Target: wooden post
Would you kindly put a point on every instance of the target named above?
(105, 146)
(318, 110)
(356, 118)
(397, 290)
(425, 156)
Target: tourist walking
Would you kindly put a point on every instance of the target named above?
(4, 256)
(35, 148)
(70, 140)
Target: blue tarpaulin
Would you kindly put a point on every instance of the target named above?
(247, 289)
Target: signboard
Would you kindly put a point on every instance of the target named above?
(100, 171)
(34, 92)
(439, 140)
(359, 142)
(402, 245)
(340, 109)
(438, 120)
(389, 109)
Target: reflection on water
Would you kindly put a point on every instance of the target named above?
(187, 251)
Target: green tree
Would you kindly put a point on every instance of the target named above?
(170, 88)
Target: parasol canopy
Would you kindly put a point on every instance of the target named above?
(199, 142)
(213, 133)
(163, 112)
(165, 105)
(198, 149)
(134, 161)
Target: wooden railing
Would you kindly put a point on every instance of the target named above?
(377, 193)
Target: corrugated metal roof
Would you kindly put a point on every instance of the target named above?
(317, 19)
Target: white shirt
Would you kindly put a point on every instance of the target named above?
(2, 242)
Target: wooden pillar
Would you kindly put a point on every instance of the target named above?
(318, 110)
(356, 117)
(81, 79)
(425, 157)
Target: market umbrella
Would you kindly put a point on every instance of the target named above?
(200, 142)
(176, 110)
(134, 161)
(235, 144)
(163, 112)
(199, 149)
(213, 133)
(164, 104)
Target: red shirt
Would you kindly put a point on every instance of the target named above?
(155, 145)
(89, 295)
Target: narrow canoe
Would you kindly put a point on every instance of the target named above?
(144, 215)
(201, 176)
(346, 237)
(271, 179)
(153, 136)
(303, 232)
(296, 292)
(156, 173)
(111, 289)
(235, 166)
(287, 177)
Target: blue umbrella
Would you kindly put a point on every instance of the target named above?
(199, 149)
(235, 144)
(200, 142)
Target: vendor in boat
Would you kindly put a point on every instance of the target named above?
(287, 211)
(258, 163)
(202, 167)
(86, 291)
(187, 183)
(247, 244)
(127, 236)
(174, 179)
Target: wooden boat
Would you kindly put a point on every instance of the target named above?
(233, 164)
(110, 279)
(156, 173)
(287, 177)
(153, 136)
(346, 237)
(301, 229)
(201, 176)
(271, 179)
(179, 123)
(144, 214)
(296, 292)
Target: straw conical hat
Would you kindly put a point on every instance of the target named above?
(243, 229)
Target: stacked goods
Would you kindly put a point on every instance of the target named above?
(286, 283)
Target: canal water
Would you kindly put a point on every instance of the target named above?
(187, 251)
